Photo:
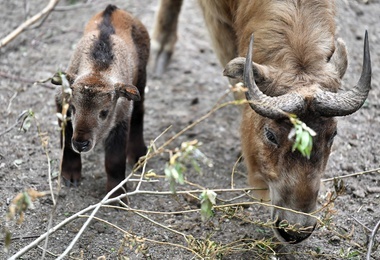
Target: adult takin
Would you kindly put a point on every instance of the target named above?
(107, 76)
(297, 68)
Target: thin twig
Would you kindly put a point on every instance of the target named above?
(48, 252)
(360, 223)
(25, 80)
(372, 239)
(234, 169)
(142, 192)
(150, 211)
(10, 102)
(204, 117)
(22, 27)
(19, 118)
(160, 225)
(73, 7)
(352, 175)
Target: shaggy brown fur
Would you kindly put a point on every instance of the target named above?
(295, 61)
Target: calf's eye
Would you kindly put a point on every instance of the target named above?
(103, 114)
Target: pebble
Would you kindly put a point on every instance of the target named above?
(359, 193)
(373, 189)
(102, 228)
(334, 240)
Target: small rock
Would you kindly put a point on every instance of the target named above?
(195, 101)
(359, 193)
(373, 189)
(101, 228)
(347, 167)
(358, 190)
(335, 240)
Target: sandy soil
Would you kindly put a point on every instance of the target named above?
(190, 88)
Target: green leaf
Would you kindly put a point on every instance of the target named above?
(303, 135)
(8, 239)
(208, 200)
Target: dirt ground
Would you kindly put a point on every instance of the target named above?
(190, 88)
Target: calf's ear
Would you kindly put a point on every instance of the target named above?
(128, 91)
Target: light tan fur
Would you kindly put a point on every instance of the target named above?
(294, 52)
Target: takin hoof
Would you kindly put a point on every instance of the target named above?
(112, 184)
(135, 154)
(71, 179)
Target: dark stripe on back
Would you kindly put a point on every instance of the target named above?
(102, 53)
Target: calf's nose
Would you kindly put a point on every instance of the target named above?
(81, 146)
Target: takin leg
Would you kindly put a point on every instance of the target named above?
(115, 157)
(71, 163)
(136, 145)
(164, 34)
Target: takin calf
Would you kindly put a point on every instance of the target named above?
(297, 68)
(107, 76)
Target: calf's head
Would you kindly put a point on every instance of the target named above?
(95, 108)
(293, 181)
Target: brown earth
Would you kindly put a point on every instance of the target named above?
(191, 86)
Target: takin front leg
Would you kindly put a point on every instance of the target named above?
(136, 145)
(164, 34)
(71, 163)
(115, 157)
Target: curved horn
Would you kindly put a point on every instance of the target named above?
(341, 104)
(271, 107)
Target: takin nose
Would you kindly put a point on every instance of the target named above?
(81, 146)
(293, 234)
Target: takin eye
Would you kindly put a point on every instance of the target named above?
(270, 136)
(103, 114)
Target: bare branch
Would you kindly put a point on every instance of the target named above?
(73, 7)
(24, 80)
(372, 239)
(19, 119)
(22, 27)
(352, 175)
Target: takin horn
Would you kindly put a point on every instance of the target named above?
(341, 104)
(267, 106)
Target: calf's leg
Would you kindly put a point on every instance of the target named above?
(115, 156)
(71, 162)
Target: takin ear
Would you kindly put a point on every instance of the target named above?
(235, 69)
(339, 58)
(128, 91)
(57, 78)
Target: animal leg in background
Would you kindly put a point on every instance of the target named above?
(164, 34)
